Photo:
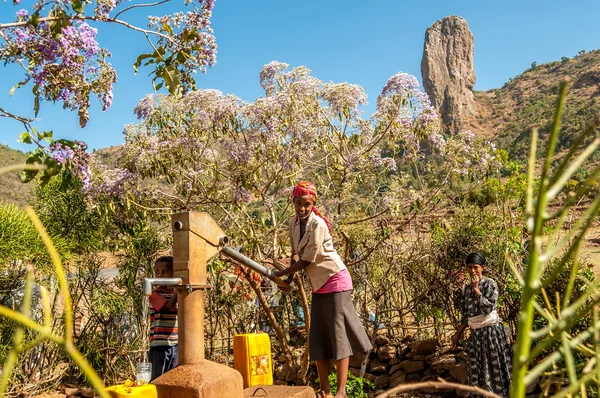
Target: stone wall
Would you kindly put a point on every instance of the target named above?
(394, 363)
(391, 364)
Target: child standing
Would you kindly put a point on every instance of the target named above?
(336, 332)
(163, 321)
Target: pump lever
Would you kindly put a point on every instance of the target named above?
(254, 266)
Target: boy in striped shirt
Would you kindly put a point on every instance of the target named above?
(163, 321)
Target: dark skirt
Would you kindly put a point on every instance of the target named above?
(490, 360)
(335, 331)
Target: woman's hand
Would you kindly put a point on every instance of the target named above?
(458, 334)
(475, 284)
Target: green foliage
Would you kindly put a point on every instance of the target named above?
(356, 387)
(65, 213)
(482, 230)
(19, 241)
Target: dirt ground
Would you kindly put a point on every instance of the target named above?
(590, 250)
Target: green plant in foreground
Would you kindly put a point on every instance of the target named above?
(551, 252)
(355, 386)
(44, 331)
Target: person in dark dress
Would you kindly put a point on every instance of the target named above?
(489, 355)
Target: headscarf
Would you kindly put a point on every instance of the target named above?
(307, 188)
(475, 258)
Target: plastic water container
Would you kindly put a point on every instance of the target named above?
(123, 391)
(143, 372)
(252, 358)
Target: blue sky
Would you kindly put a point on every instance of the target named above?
(362, 42)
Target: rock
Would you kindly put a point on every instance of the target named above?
(413, 377)
(357, 359)
(531, 388)
(386, 353)
(412, 366)
(289, 371)
(451, 379)
(418, 358)
(279, 373)
(447, 349)
(354, 371)
(430, 358)
(403, 351)
(397, 378)
(424, 347)
(409, 355)
(394, 361)
(395, 368)
(370, 377)
(442, 363)
(448, 70)
(381, 340)
(377, 367)
(282, 359)
(280, 383)
(459, 372)
(88, 393)
(429, 375)
(71, 391)
(382, 381)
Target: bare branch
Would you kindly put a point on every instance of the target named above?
(438, 385)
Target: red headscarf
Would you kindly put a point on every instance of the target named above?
(307, 188)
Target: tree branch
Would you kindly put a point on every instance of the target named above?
(88, 18)
(438, 385)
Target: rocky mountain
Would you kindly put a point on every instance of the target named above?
(448, 70)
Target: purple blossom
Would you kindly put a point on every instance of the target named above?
(242, 195)
(63, 68)
(61, 153)
(144, 108)
(269, 74)
(344, 97)
(22, 14)
(382, 163)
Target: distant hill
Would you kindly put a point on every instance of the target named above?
(12, 190)
(506, 115)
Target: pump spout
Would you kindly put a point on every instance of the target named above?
(149, 282)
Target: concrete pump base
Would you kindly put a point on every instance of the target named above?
(204, 379)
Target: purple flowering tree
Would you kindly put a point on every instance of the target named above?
(55, 44)
(239, 161)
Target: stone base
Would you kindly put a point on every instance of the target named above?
(200, 380)
(279, 392)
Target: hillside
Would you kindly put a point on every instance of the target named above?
(506, 115)
(13, 190)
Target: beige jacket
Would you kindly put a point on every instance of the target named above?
(316, 246)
